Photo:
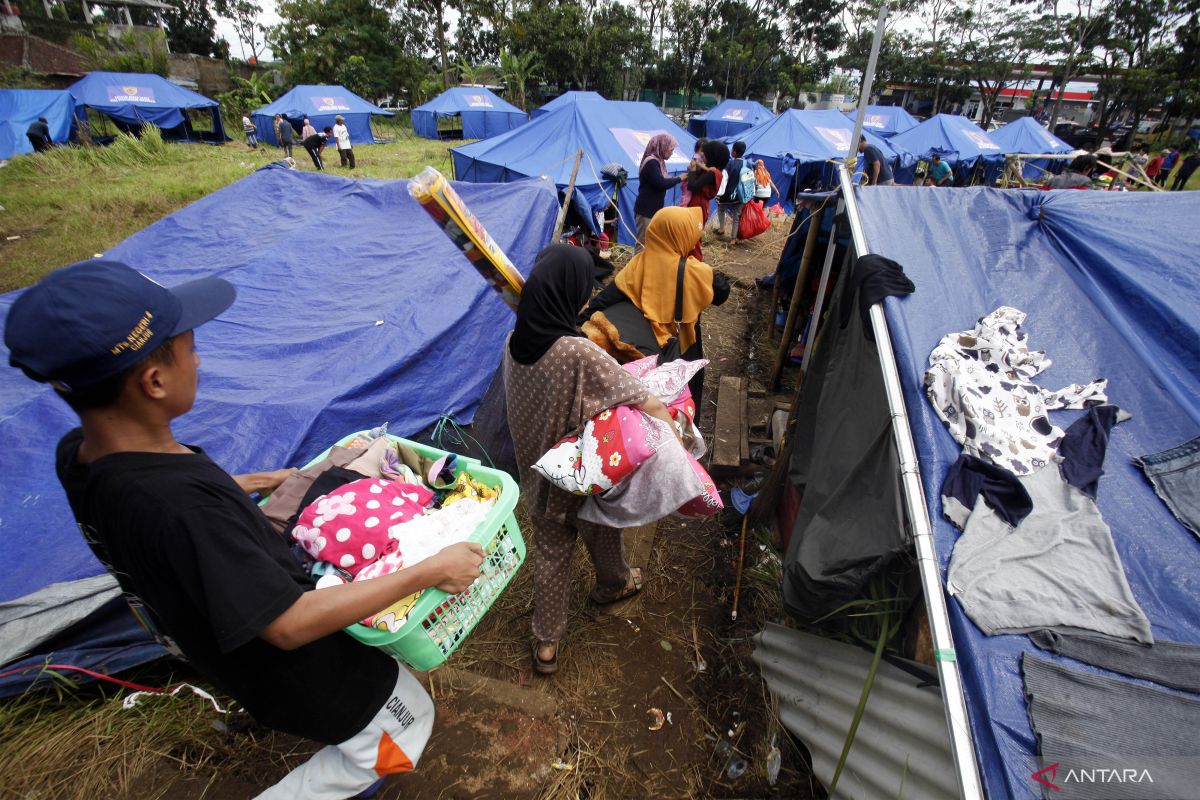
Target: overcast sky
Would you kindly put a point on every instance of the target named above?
(225, 30)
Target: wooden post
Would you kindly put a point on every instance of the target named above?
(789, 327)
(562, 212)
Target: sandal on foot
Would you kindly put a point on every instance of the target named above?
(632, 586)
(545, 666)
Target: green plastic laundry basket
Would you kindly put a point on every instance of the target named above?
(439, 622)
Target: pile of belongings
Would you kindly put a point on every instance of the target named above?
(632, 467)
(374, 506)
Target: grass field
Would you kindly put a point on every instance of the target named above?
(75, 202)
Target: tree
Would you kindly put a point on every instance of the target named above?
(192, 29)
(997, 43)
(244, 14)
(1078, 26)
(690, 21)
(518, 71)
(435, 15)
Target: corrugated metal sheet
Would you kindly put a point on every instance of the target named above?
(902, 749)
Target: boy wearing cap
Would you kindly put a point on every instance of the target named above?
(188, 544)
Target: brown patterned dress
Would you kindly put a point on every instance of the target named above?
(547, 400)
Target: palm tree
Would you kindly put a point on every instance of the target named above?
(518, 70)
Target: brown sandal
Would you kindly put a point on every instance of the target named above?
(632, 586)
(544, 666)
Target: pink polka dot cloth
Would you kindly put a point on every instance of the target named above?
(349, 527)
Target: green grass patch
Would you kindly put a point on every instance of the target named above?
(74, 202)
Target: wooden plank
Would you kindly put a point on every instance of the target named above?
(728, 427)
(744, 426)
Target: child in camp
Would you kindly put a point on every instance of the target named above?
(190, 547)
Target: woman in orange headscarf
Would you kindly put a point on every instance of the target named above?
(649, 283)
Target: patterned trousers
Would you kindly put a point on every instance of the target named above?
(553, 549)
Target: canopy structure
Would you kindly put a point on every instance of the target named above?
(134, 99)
(566, 98)
(1103, 299)
(798, 147)
(321, 105)
(886, 121)
(729, 118)
(959, 141)
(483, 114)
(336, 328)
(20, 108)
(608, 132)
(1027, 136)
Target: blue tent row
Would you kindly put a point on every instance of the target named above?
(333, 331)
(798, 148)
(729, 118)
(320, 105)
(483, 114)
(20, 108)
(134, 99)
(608, 131)
(1103, 299)
(886, 121)
(960, 142)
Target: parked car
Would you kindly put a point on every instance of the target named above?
(1084, 137)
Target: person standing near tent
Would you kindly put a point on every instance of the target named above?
(653, 182)
(341, 136)
(287, 135)
(190, 547)
(555, 380)
(1154, 166)
(705, 183)
(315, 145)
(1184, 173)
(875, 166)
(695, 167)
(939, 173)
(251, 131)
(307, 130)
(1168, 165)
(39, 135)
(729, 204)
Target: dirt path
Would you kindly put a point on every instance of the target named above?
(505, 733)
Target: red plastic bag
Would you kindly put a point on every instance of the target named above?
(753, 221)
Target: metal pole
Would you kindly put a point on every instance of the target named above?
(864, 94)
(961, 743)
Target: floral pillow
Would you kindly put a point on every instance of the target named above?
(612, 445)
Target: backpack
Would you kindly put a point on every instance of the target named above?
(743, 190)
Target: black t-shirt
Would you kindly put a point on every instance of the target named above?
(212, 573)
(872, 155)
(314, 141)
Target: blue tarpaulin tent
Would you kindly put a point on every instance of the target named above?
(134, 99)
(20, 108)
(1026, 135)
(1103, 299)
(333, 331)
(797, 147)
(608, 131)
(886, 121)
(320, 104)
(483, 114)
(566, 98)
(729, 118)
(959, 141)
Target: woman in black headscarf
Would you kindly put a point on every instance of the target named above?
(555, 380)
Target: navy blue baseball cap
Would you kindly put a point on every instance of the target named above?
(90, 321)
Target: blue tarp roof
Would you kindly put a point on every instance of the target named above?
(333, 331)
(886, 121)
(729, 118)
(954, 138)
(1104, 299)
(133, 98)
(802, 141)
(1027, 135)
(20, 108)
(608, 131)
(484, 115)
(321, 104)
(566, 98)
